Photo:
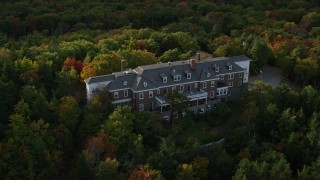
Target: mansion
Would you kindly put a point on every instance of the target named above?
(204, 82)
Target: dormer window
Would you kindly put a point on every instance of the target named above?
(189, 76)
(145, 84)
(216, 69)
(229, 66)
(125, 83)
(164, 79)
(176, 77)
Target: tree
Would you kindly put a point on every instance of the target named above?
(98, 148)
(29, 150)
(98, 108)
(8, 97)
(200, 167)
(260, 92)
(82, 170)
(306, 70)
(185, 171)
(178, 103)
(286, 123)
(137, 58)
(310, 172)
(77, 49)
(260, 52)
(170, 55)
(251, 112)
(68, 111)
(64, 85)
(164, 160)
(107, 63)
(107, 169)
(73, 63)
(87, 71)
(309, 99)
(139, 173)
(119, 128)
(23, 108)
(299, 52)
(270, 166)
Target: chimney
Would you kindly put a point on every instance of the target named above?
(198, 56)
(192, 64)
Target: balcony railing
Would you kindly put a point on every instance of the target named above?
(193, 95)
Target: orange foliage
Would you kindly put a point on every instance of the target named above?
(140, 44)
(98, 148)
(289, 43)
(71, 62)
(87, 71)
(139, 174)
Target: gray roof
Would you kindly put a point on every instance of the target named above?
(122, 81)
(239, 58)
(96, 79)
(151, 76)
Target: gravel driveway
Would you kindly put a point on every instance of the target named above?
(270, 74)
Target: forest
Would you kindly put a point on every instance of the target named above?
(48, 130)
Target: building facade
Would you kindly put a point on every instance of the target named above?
(204, 82)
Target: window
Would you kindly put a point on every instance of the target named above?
(216, 69)
(212, 83)
(230, 84)
(125, 93)
(222, 77)
(230, 76)
(125, 83)
(181, 88)
(239, 83)
(141, 96)
(222, 91)
(164, 79)
(173, 88)
(150, 94)
(141, 107)
(208, 74)
(240, 75)
(145, 84)
(189, 76)
(211, 94)
(158, 91)
(230, 67)
(116, 95)
(204, 85)
(195, 85)
(176, 77)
